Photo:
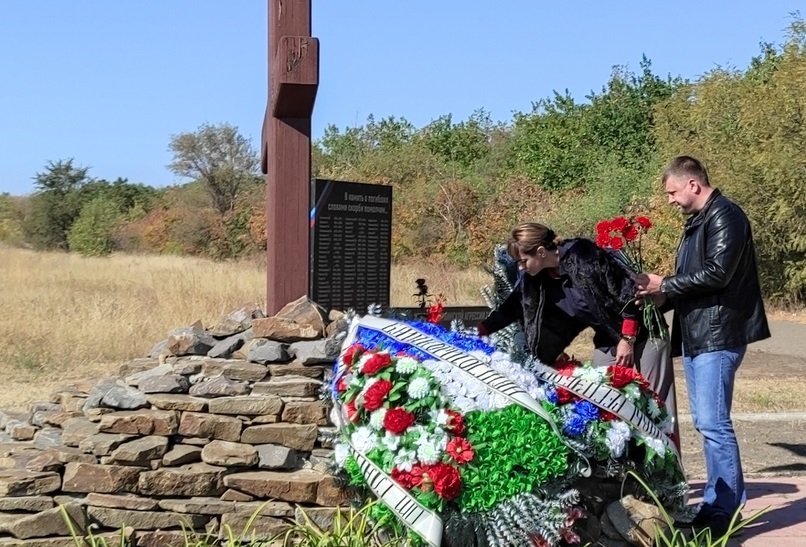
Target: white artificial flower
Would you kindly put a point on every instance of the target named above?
(418, 388)
(654, 409)
(617, 436)
(405, 459)
(440, 438)
(340, 453)
(391, 441)
(440, 417)
(376, 419)
(418, 433)
(406, 365)
(591, 374)
(537, 392)
(465, 404)
(364, 439)
(656, 445)
(428, 453)
(632, 392)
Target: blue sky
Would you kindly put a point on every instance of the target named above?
(108, 82)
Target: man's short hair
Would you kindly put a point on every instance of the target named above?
(686, 166)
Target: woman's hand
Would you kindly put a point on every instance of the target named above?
(624, 353)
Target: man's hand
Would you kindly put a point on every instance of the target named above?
(648, 284)
(624, 353)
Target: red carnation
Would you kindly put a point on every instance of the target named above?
(631, 233)
(376, 394)
(341, 385)
(616, 243)
(376, 363)
(644, 222)
(403, 478)
(418, 477)
(607, 416)
(446, 479)
(397, 420)
(603, 239)
(352, 412)
(603, 227)
(460, 450)
(621, 376)
(456, 422)
(349, 356)
(619, 224)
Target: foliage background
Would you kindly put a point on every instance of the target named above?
(459, 185)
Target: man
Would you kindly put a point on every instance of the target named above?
(718, 311)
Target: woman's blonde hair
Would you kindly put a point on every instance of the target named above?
(528, 236)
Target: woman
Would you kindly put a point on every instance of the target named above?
(567, 286)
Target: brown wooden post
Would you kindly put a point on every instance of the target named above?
(286, 148)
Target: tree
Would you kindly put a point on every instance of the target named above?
(56, 204)
(219, 157)
(92, 232)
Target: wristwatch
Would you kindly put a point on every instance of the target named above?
(629, 339)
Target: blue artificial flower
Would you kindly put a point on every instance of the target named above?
(575, 426)
(587, 411)
(551, 395)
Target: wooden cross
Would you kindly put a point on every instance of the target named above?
(286, 149)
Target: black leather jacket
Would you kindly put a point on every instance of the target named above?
(715, 291)
(598, 293)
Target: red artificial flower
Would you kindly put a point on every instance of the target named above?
(619, 224)
(631, 233)
(460, 450)
(434, 312)
(352, 412)
(644, 222)
(607, 416)
(397, 420)
(456, 423)
(376, 363)
(603, 240)
(446, 479)
(603, 227)
(566, 369)
(403, 478)
(349, 356)
(564, 396)
(341, 385)
(620, 376)
(418, 477)
(616, 243)
(376, 394)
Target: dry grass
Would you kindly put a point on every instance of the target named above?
(65, 317)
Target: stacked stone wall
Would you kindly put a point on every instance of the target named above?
(214, 426)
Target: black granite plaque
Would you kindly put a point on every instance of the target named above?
(351, 244)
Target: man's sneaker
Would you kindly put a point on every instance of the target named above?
(694, 516)
(718, 524)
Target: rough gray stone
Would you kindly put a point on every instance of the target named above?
(140, 451)
(266, 351)
(169, 383)
(181, 454)
(275, 456)
(219, 387)
(317, 351)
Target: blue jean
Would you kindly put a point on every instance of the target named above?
(710, 377)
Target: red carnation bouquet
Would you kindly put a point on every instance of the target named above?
(622, 236)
